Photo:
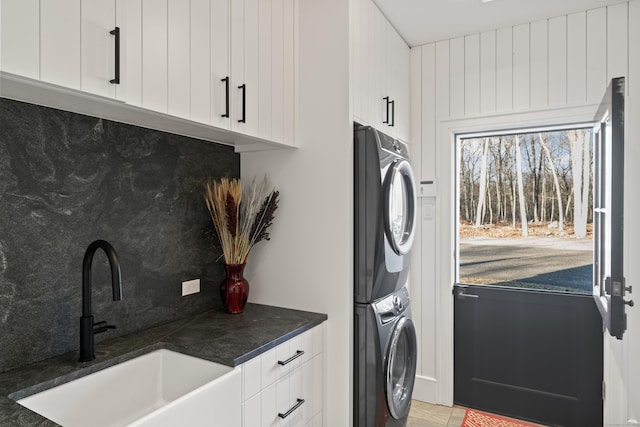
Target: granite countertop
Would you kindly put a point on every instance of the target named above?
(216, 336)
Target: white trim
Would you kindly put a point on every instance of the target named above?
(445, 213)
(33, 91)
(424, 389)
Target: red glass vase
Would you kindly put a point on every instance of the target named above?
(234, 289)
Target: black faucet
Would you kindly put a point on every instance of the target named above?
(87, 327)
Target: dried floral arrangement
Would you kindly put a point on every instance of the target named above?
(241, 217)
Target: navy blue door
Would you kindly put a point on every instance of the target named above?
(529, 354)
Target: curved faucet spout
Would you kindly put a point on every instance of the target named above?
(87, 325)
(116, 275)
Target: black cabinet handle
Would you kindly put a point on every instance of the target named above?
(116, 32)
(386, 99)
(226, 102)
(393, 113)
(299, 403)
(244, 102)
(291, 359)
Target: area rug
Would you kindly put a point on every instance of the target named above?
(473, 418)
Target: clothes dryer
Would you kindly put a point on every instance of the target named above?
(385, 211)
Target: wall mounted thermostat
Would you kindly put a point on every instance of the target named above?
(427, 189)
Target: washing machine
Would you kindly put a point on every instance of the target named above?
(385, 210)
(385, 363)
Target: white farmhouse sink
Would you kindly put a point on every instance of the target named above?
(162, 388)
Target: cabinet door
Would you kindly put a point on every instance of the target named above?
(20, 37)
(288, 104)
(251, 70)
(132, 9)
(178, 58)
(220, 66)
(98, 47)
(237, 79)
(398, 83)
(200, 61)
(270, 65)
(380, 71)
(404, 95)
(189, 57)
(60, 42)
(154, 55)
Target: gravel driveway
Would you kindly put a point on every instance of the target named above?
(537, 262)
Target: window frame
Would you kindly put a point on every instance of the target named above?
(609, 286)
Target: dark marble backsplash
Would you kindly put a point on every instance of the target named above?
(68, 179)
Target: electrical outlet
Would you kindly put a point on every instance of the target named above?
(190, 287)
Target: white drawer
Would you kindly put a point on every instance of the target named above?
(271, 388)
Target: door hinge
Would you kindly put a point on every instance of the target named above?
(604, 390)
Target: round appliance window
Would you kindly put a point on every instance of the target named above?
(400, 369)
(400, 209)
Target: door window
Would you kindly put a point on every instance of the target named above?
(525, 209)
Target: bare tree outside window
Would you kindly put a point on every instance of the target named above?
(525, 210)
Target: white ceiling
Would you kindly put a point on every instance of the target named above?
(424, 21)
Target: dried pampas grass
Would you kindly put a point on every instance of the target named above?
(241, 218)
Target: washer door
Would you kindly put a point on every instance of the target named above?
(400, 368)
(400, 206)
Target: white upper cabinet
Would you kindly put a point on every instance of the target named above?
(200, 61)
(381, 73)
(226, 64)
(60, 43)
(68, 43)
(220, 66)
(399, 79)
(101, 50)
(20, 37)
(178, 57)
(244, 64)
(263, 69)
(155, 53)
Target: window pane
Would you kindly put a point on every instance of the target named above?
(525, 204)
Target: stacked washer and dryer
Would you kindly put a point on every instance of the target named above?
(384, 335)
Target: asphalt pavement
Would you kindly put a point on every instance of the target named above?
(561, 264)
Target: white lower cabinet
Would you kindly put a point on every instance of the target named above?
(284, 386)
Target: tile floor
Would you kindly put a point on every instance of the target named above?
(428, 415)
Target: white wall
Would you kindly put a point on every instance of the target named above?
(543, 72)
(308, 263)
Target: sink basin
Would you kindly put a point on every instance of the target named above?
(162, 388)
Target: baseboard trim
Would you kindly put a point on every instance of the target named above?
(424, 389)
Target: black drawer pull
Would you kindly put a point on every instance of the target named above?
(116, 32)
(291, 359)
(393, 113)
(293, 408)
(226, 102)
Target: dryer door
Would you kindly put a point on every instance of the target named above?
(400, 368)
(400, 206)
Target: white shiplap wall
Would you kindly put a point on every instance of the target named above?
(546, 71)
